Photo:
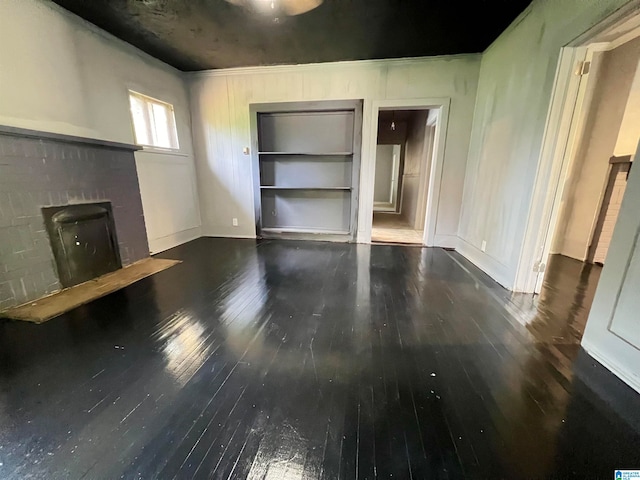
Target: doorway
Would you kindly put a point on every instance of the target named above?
(388, 171)
(404, 153)
(599, 167)
(590, 140)
(583, 175)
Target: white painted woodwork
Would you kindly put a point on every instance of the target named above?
(169, 199)
(220, 108)
(612, 334)
(590, 171)
(61, 74)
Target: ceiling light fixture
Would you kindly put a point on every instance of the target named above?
(275, 8)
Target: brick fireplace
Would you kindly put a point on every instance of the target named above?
(48, 170)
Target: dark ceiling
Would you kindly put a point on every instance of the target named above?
(205, 34)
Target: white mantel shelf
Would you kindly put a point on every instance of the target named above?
(58, 137)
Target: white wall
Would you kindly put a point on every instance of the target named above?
(590, 170)
(220, 109)
(629, 131)
(514, 90)
(60, 74)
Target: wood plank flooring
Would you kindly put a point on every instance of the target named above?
(51, 306)
(396, 235)
(392, 228)
(309, 360)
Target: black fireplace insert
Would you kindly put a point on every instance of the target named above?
(83, 240)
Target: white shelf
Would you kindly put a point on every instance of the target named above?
(304, 230)
(309, 154)
(306, 163)
(270, 187)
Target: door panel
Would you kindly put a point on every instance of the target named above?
(612, 334)
(626, 320)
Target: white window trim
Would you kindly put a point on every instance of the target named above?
(150, 123)
(163, 151)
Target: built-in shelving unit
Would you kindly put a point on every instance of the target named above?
(270, 187)
(307, 168)
(308, 154)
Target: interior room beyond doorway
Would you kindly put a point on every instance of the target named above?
(591, 190)
(404, 149)
(602, 157)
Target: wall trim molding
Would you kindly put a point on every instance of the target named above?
(163, 159)
(310, 67)
(158, 245)
(446, 241)
(222, 235)
(485, 262)
(619, 370)
(60, 137)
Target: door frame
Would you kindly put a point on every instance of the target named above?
(564, 128)
(255, 109)
(433, 171)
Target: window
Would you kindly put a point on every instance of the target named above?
(153, 122)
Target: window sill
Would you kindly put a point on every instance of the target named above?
(163, 151)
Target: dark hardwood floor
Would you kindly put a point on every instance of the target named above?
(304, 360)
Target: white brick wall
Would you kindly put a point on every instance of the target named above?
(611, 217)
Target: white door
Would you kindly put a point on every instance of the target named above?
(395, 173)
(612, 334)
(385, 192)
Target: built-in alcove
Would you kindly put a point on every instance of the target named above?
(307, 169)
